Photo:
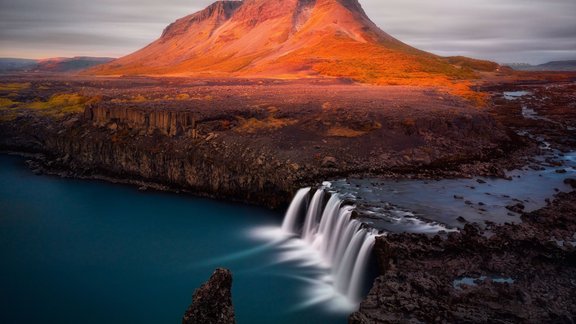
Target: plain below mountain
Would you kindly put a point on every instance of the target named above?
(569, 65)
(57, 64)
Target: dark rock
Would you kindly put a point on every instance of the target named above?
(417, 273)
(517, 208)
(212, 302)
(571, 182)
(458, 197)
(480, 181)
(561, 171)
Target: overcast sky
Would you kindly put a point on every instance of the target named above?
(534, 31)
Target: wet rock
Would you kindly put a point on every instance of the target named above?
(418, 273)
(561, 171)
(571, 182)
(480, 181)
(458, 197)
(517, 208)
(212, 302)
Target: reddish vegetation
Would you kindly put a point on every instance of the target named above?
(292, 39)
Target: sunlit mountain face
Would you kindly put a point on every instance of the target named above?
(289, 39)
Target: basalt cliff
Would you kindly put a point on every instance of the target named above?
(248, 143)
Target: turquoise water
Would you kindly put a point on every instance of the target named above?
(84, 251)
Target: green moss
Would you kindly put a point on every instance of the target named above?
(14, 86)
(7, 103)
(61, 104)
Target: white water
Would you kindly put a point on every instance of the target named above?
(312, 214)
(355, 287)
(342, 244)
(289, 224)
(319, 233)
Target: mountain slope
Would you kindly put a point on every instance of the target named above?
(285, 38)
(15, 64)
(569, 65)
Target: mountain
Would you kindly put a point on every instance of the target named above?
(57, 64)
(15, 64)
(286, 38)
(65, 64)
(569, 65)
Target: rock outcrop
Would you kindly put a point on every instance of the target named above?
(212, 302)
(520, 273)
(166, 122)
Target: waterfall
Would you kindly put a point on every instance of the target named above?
(342, 242)
(312, 214)
(297, 204)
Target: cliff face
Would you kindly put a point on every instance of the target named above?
(255, 142)
(205, 168)
(214, 15)
(170, 123)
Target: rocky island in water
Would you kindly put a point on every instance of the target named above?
(387, 184)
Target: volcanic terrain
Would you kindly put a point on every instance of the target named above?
(252, 100)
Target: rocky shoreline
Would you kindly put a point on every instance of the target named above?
(516, 273)
(509, 273)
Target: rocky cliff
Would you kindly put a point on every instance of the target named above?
(170, 123)
(212, 302)
(257, 148)
(521, 273)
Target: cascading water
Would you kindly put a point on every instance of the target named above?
(342, 243)
(289, 224)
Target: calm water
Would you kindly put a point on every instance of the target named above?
(81, 251)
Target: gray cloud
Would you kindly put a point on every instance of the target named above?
(504, 31)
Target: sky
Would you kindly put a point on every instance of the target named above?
(505, 31)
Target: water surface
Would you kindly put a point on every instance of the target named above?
(83, 251)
